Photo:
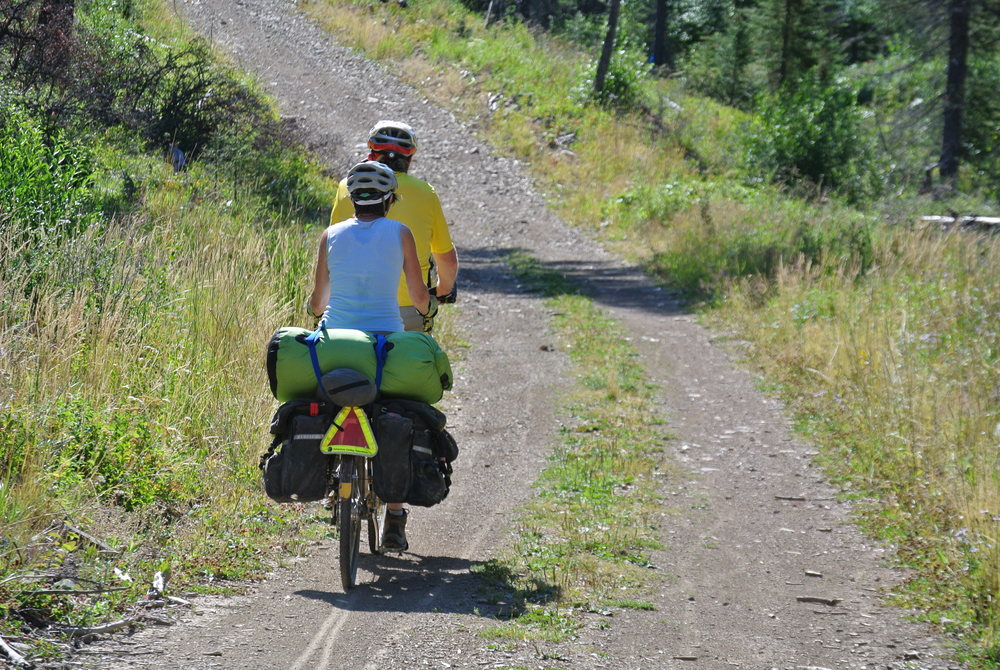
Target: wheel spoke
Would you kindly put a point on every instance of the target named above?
(349, 521)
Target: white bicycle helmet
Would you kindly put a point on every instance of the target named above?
(392, 136)
(370, 183)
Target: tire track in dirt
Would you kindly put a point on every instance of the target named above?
(745, 515)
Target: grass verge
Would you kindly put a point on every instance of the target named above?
(585, 541)
(896, 376)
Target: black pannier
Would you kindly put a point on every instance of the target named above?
(413, 463)
(294, 469)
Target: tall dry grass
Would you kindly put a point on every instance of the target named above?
(898, 374)
(132, 374)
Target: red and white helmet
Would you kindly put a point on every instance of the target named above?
(370, 183)
(393, 136)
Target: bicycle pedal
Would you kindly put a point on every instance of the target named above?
(386, 550)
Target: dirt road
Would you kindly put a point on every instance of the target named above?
(762, 568)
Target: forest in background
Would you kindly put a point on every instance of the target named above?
(921, 75)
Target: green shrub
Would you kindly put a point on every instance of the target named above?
(813, 132)
(47, 198)
(982, 145)
(281, 172)
(116, 78)
(663, 201)
(623, 85)
(118, 453)
(169, 95)
(749, 237)
(45, 178)
(14, 452)
(720, 65)
(585, 30)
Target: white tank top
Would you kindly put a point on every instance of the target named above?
(365, 259)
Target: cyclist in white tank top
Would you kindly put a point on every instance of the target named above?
(357, 277)
(361, 257)
(359, 260)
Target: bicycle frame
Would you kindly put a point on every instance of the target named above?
(351, 440)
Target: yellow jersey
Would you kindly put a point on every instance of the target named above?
(419, 208)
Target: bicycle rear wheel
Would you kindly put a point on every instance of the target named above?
(349, 520)
(376, 512)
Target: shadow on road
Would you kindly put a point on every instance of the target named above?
(409, 583)
(602, 281)
(413, 583)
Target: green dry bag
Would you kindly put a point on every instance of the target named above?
(415, 366)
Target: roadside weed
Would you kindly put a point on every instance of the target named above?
(585, 540)
(632, 604)
(897, 371)
(133, 402)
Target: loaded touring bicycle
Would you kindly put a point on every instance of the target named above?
(356, 428)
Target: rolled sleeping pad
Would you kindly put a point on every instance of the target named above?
(415, 366)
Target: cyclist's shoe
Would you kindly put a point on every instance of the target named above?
(394, 533)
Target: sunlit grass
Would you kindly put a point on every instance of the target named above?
(585, 541)
(149, 331)
(900, 373)
(134, 402)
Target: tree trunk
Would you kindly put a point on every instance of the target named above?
(609, 46)
(786, 41)
(954, 97)
(663, 54)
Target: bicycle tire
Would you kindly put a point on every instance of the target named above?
(376, 512)
(349, 523)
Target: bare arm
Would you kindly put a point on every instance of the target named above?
(321, 286)
(447, 270)
(411, 270)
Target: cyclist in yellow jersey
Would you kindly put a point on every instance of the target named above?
(355, 285)
(393, 143)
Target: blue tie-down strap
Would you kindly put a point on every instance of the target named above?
(311, 340)
(381, 350)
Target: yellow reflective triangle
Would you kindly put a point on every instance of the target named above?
(350, 434)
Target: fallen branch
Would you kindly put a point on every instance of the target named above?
(74, 592)
(159, 621)
(12, 654)
(976, 221)
(104, 547)
(99, 630)
(26, 577)
(115, 652)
